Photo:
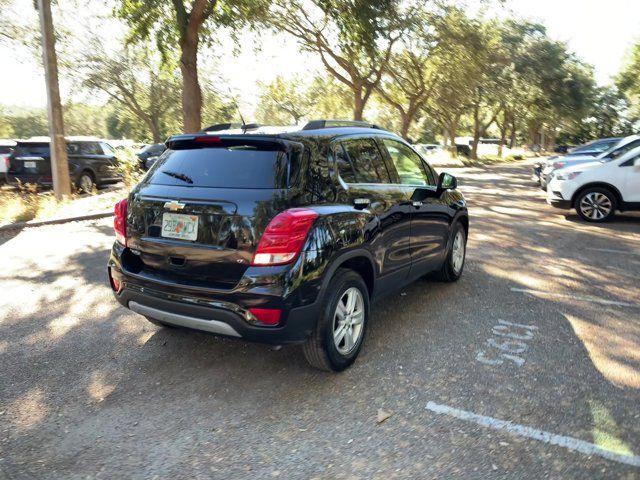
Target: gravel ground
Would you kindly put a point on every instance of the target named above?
(543, 330)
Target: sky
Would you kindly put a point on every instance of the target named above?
(600, 32)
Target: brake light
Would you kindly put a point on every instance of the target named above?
(207, 139)
(267, 316)
(284, 237)
(120, 221)
(558, 165)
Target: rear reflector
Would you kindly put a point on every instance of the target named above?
(115, 284)
(284, 237)
(267, 316)
(120, 221)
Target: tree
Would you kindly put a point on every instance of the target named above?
(354, 39)
(174, 25)
(284, 101)
(410, 78)
(628, 80)
(134, 81)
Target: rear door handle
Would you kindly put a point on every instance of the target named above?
(417, 203)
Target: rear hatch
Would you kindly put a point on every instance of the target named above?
(30, 162)
(198, 215)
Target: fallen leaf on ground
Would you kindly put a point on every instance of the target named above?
(382, 415)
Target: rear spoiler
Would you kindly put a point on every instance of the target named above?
(184, 142)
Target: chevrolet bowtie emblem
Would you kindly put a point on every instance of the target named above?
(174, 206)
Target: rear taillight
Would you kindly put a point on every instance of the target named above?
(558, 165)
(120, 221)
(284, 237)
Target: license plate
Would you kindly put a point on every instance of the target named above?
(29, 164)
(177, 225)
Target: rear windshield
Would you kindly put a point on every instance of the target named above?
(4, 149)
(32, 150)
(231, 167)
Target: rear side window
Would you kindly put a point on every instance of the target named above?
(90, 148)
(4, 150)
(366, 160)
(230, 167)
(344, 165)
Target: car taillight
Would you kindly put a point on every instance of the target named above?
(120, 221)
(557, 165)
(284, 237)
(266, 316)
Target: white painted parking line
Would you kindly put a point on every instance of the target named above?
(529, 432)
(575, 297)
(609, 250)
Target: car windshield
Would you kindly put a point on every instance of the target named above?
(616, 152)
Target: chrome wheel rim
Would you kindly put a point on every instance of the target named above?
(86, 184)
(348, 321)
(595, 205)
(457, 252)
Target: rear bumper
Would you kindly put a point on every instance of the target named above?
(14, 179)
(220, 318)
(221, 312)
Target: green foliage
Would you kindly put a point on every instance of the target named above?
(628, 80)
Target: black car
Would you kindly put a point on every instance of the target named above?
(92, 162)
(285, 238)
(149, 154)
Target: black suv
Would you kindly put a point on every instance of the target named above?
(92, 162)
(285, 237)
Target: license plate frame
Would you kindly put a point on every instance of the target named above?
(179, 226)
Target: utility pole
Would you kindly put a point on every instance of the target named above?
(59, 161)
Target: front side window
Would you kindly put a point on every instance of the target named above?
(409, 165)
(367, 161)
(344, 165)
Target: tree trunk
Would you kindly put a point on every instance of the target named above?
(453, 130)
(152, 123)
(405, 125)
(358, 104)
(191, 92)
(512, 143)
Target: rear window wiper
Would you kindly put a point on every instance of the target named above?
(179, 176)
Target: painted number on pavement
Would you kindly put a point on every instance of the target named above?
(508, 343)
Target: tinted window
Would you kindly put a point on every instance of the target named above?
(156, 149)
(90, 148)
(73, 148)
(231, 167)
(344, 165)
(5, 149)
(367, 161)
(622, 150)
(32, 149)
(409, 165)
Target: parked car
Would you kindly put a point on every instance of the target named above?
(92, 162)
(149, 154)
(590, 149)
(428, 148)
(6, 147)
(285, 237)
(597, 189)
(619, 148)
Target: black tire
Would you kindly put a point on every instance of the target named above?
(448, 272)
(159, 323)
(320, 348)
(86, 182)
(596, 205)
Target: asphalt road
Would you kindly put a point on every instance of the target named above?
(91, 390)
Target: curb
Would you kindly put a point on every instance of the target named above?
(21, 225)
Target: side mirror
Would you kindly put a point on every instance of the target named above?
(447, 182)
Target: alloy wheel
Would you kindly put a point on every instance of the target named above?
(596, 205)
(457, 252)
(348, 321)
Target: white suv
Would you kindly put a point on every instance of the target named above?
(597, 189)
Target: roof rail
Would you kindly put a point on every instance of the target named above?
(319, 124)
